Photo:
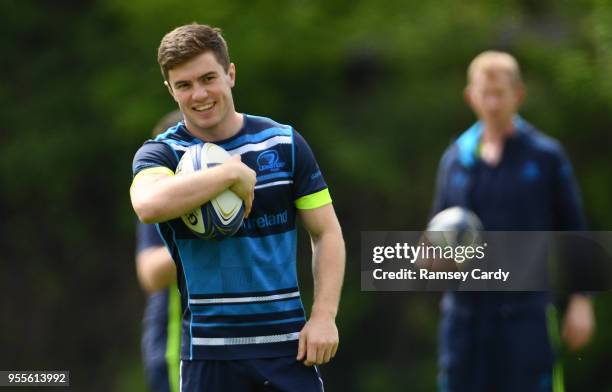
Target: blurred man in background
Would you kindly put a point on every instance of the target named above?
(156, 273)
(514, 178)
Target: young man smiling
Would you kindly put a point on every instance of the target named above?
(244, 326)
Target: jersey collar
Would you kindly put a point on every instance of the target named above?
(469, 141)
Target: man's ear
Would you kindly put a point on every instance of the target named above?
(170, 91)
(231, 72)
(467, 95)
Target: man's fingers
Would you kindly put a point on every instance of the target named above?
(302, 342)
(311, 354)
(248, 204)
(327, 355)
(320, 355)
(334, 349)
(301, 347)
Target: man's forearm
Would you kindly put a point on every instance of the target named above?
(172, 196)
(328, 270)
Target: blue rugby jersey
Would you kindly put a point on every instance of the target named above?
(240, 296)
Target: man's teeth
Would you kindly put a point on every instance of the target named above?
(203, 107)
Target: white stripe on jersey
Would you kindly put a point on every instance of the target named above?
(179, 147)
(273, 141)
(274, 184)
(245, 340)
(273, 297)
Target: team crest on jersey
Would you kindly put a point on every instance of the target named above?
(531, 171)
(269, 160)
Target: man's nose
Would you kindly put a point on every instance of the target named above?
(492, 102)
(200, 92)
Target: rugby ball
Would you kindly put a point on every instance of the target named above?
(222, 216)
(454, 226)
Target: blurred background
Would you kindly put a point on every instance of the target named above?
(375, 87)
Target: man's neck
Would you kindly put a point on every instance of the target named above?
(498, 132)
(231, 127)
(494, 136)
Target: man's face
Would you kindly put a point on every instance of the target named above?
(203, 91)
(494, 97)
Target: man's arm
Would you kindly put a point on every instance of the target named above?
(158, 197)
(155, 268)
(154, 265)
(579, 319)
(319, 338)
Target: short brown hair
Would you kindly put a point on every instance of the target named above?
(189, 41)
(492, 61)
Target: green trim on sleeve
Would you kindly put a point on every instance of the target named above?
(151, 170)
(314, 200)
(173, 343)
(154, 170)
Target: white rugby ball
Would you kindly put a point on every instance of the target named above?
(222, 216)
(454, 226)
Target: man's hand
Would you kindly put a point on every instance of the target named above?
(244, 185)
(579, 322)
(318, 341)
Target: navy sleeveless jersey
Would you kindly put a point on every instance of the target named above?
(240, 296)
